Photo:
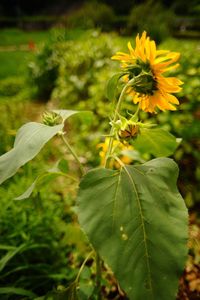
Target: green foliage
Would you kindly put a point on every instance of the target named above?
(31, 229)
(41, 179)
(9, 121)
(43, 69)
(11, 86)
(137, 221)
(16, 291)
(13, 63)
(73, 72)
(43, 72)
(83, 70)
(189, 72)
(183, 7)
(91, 15)
(153, 17)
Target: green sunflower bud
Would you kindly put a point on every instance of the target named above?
(50, 119)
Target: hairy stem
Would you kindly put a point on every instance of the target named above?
(74, 154)
(117, 110)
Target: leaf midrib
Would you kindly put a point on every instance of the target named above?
(143, 227)
(115, 200)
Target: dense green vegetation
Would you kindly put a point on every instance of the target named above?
(70, 69)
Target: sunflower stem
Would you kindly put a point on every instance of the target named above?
(117, 111)
(134, 118)
(71, 150)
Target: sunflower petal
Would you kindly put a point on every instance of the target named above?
(132, 52)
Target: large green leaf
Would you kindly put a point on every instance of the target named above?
(156, 141)
(137, 221)
(30, 139)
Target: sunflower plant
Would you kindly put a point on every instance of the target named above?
(129, 207)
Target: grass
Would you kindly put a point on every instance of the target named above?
(13, 63)
(17, 37)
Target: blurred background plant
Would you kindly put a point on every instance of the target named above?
(62, 60)
(92, 15)
(153, 17)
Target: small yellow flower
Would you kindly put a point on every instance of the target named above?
(151, 88)
(117, 146)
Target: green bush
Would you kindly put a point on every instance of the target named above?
(75, 72)
(10, 120)
(83, 72)
(43, 72)
(153, 17)
(92, 15)
(11, 86)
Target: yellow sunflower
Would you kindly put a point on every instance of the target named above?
(147, 64)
